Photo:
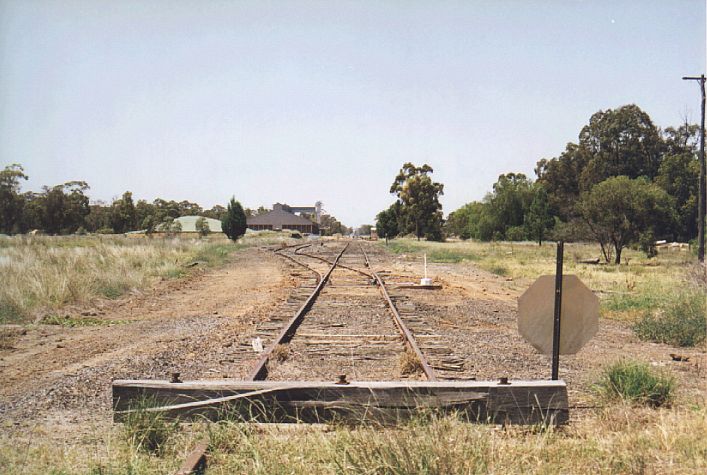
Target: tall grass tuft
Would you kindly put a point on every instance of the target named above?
(680, 322)
(148, 431)
(636, 382)
(409, 362)
(430, 447)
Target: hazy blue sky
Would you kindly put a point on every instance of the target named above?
(299, 101)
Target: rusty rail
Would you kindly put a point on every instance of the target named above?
(197, 458)
(195, 461)
(260, 371)
(406, 333)
(323, 259)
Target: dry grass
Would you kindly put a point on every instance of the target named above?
(616, 439)
(626, 290)
(280, 353)
(409, 363)
(42, 274)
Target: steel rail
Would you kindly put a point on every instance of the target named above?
(298, 247)
(196, 460)
(260, 371)
(407, 334)
(323, 259)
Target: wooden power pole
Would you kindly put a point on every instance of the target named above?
(701, 199)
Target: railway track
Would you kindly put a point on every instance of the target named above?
(342, 323)
(347, 325)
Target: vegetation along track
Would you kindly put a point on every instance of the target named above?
(347, 323)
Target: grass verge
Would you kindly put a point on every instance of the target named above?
(679, 322)
(616, 439)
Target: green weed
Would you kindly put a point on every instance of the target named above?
(498, 269)
(636, 382)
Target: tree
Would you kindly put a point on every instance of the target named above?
(202, 226)
(419, 196)
(512, 195)
(364, 230)
(503, 209)
(538, 218)
(63, 208)
(679, 175)
(387, 223)
(622, 141)
(216, 212)
(561, 179)
(331, 225)
(187, 208)
(146, 213)
(171, 227)
(11, 201)
(124, 214)
(457, 223)
(233, 223)
(619, 210)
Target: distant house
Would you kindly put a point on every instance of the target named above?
(188, 228)
(188, 224)
(281, 217)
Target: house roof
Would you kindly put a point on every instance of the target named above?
(279, 217)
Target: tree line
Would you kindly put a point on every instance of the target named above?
(67, 209)
(624, 182)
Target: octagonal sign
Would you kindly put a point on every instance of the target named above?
(580, 314)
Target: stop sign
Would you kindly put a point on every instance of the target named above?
(580, 314)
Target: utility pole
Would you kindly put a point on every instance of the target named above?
(701, 199)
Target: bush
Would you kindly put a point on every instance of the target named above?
(636, 382)
(681, 322)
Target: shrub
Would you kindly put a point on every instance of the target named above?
(636, 382)
(681, 322)
(233, 223)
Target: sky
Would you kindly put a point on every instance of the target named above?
(300, 101)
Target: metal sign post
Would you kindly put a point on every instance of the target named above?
(558, 312)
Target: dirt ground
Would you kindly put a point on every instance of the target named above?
(59, 377)
(477, 313)
(56, 379)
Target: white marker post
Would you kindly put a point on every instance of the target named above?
(425, 280)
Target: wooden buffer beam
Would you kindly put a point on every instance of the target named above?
(517, 402)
